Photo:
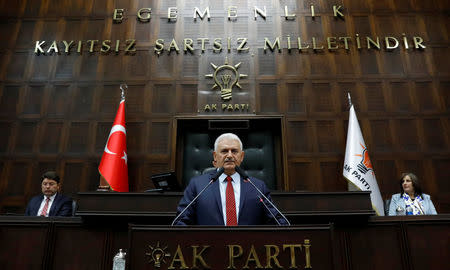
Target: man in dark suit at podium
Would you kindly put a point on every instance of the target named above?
(50, 203)
(231, 200)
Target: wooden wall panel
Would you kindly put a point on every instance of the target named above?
(162, 99)
(295, 98)
(381, 136)
(407, 135)
(50, 141)
(56, 110)
(33, 100)
(17, 170)
(268, 97)
(16, 69)
(187, 103)
(331, 170)
(325, 142)
(78, 138)
(159, 139)
(5, 127)
(81, 103)
(301, 176)
(88, 70)
(9, 100)
(386, 175)
(426, 97)
(135, 144)
(300, 139)
(25, 135)
(58, 101)
(73, 174)
(401, 97)
(321, 98)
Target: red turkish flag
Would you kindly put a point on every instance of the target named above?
(114, 164)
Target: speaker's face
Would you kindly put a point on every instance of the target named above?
(228, 155)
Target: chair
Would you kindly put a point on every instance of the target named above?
(259, 158)
(74, 207)
(209, 170)
(387, 204)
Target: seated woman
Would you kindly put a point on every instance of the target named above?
(411, 200)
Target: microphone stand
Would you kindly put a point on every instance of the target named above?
(262, 194)
(262, 201)
(214, 178)
(193, 200)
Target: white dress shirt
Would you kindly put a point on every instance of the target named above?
(52, 198)
(237, 193)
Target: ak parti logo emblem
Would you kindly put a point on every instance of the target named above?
(226, 77)
(365, 164)
(157, 255)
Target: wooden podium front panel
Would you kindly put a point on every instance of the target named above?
(16, 255)
(75, 245)
(230, 248)
(429, 244)
(160, 208)
(375, 247)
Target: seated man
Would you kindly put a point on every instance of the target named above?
(231, 200)
(51, 203)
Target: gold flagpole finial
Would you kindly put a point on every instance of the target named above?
(123, 87)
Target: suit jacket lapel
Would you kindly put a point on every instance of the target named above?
(37, 206)
(54, 205)
(216, 192)
(245, 187)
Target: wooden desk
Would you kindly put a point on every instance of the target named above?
(160, 208)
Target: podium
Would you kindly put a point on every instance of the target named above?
(261, 247)
(160, 208)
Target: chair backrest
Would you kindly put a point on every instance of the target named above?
(74, 207)
(259, 158)
(209, 169)
(387, 204)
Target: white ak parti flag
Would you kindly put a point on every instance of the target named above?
(357, 165)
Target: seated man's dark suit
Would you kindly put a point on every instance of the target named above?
(207, 210)
(61, 206)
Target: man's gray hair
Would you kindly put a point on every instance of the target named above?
(230, 136)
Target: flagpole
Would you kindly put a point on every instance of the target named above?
(350, 185)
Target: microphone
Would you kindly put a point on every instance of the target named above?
(213, 179)
(246, 178)
(399, 210)
(217, 174)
